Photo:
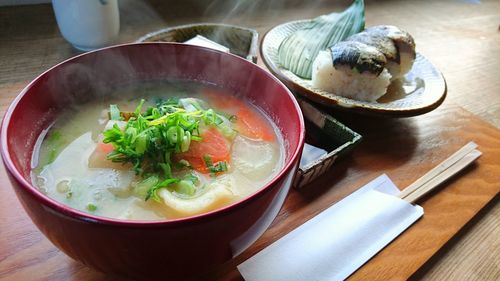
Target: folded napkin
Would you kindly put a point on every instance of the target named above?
(336, 242)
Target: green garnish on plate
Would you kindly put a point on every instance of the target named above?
(298, 50)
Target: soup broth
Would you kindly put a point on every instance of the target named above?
(158, 150)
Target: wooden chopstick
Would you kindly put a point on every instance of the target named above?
(446, 169)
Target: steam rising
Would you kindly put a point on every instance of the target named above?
(77, 83)
(244, 9)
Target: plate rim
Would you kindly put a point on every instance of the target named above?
(333, 103)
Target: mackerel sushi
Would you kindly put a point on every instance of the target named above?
(363, 66)
(397, 45)
(352, 69)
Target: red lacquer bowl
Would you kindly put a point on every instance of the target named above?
(167, 249)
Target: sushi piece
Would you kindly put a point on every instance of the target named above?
(397, 46)
(352, 69)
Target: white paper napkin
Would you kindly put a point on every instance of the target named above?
(336, 242)
(202, 41)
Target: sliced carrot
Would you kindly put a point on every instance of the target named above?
(248, 122)
(224, 102)
(213, 145)
(98, 158)
(105, 147)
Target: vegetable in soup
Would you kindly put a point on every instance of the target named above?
(181, 149)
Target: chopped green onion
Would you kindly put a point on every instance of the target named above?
(141, 143)
(233, 118)
(196, 138)
(131, 133)
(186, 141)
(52, 156)
(219, 167)
(228, 132)
(208, 161)
(167, 170)
(191, 177)
(141, 189)
(180, 136)
(54, 136)
(150, 138)
(172, 134)
(114, 112)
(137, 111)
(91, 207)
(184, 163)
(152, 192)
(185, 187)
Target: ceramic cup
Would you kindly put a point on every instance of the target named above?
(88, 24)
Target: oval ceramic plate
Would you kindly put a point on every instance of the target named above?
(422, 90)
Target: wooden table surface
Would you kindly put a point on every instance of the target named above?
(462, 38)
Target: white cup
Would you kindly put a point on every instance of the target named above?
(88, 24)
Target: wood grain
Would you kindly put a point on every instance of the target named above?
(461, 38)
(446, 210)
(474, 257)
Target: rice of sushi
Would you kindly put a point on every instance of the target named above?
(349, 76)
(362, 66)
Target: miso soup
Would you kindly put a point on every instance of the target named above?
(157, 150)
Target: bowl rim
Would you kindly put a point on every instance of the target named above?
(81, 215)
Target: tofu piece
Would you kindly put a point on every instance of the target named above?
(219, 193)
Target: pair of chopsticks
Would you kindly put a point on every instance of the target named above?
(445, 170)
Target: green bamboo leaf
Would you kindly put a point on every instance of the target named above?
(298, 51)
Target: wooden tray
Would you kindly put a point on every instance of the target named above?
(405, 149)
